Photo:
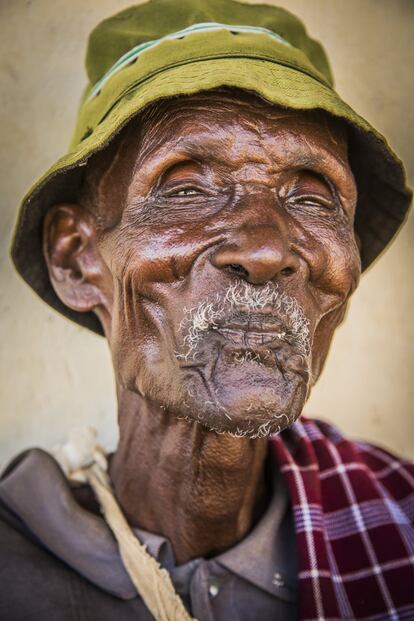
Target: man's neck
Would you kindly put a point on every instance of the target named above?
(193, 486)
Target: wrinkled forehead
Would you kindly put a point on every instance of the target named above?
(208, 118)
(224, 126)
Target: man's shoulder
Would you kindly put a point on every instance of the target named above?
(37, 585)
(26, 568)
(327, 445)
(33, 582)
(353, 506)
(338, 472)
(47, 543)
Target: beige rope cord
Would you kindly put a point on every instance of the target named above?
(83, 460)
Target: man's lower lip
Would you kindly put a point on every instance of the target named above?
(243, 338)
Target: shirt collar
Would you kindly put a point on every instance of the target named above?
(36, 490)
(267, 556)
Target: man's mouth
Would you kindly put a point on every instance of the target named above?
(253, 331)
(246, 318)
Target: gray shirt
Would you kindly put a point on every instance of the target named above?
(254, 580)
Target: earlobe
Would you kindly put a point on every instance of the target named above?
(76, 269)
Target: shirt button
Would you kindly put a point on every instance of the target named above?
(213, 586)
(278, 580)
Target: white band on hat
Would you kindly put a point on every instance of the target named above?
(133, 54)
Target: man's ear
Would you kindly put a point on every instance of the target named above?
(76, 269)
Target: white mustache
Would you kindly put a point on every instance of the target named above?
(244, 299)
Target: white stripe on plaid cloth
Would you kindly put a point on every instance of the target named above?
(307, 519)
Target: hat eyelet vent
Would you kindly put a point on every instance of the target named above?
(234, 32)
(89, 131)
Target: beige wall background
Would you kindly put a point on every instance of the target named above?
(55, 376)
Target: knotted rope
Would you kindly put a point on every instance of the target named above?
(83, 460)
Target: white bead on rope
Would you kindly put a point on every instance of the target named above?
(80, 451)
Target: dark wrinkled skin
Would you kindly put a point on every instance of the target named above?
(208, 191)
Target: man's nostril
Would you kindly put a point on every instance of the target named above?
(287, 271)
(238, 269)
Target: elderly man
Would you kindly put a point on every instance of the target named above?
(211, 220)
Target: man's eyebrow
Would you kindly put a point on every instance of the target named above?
(320, 161)
(315, 157)
(181, 148)
(212, 148)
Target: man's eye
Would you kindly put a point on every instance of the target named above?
(190, 191)
(186, 192)
(312, 202)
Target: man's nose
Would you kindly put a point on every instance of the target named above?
(256, 254)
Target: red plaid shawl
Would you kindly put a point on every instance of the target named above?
(353, 507)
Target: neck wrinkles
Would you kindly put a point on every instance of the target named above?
(199, 489)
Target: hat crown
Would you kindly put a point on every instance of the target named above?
(115, 36)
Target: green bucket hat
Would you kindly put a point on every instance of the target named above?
(166, 48)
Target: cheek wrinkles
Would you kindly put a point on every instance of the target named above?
(164, 257)
(311, 252)
(338, 281)
(332, 264)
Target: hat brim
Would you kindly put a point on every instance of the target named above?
(383, 198)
